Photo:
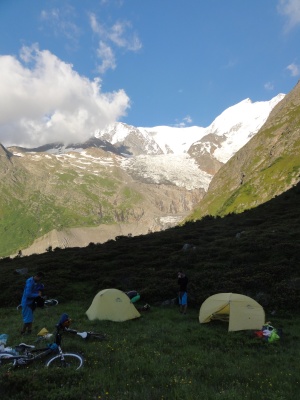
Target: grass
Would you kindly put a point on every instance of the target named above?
(256, 253)
(162, 355)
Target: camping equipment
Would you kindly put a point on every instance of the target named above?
(242, 312)
(112, 305)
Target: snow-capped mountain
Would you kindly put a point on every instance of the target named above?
(151, 141)
(124, 179)
(129, 139)
(187, 156)
(264, 168)
(235, 126)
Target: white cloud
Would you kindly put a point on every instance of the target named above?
(118, 35)
(291, 10)
(269, 86)
(185, 121)
(60, 21)
(107, 56)
(44, 100)
(294, 69)
(96, 26)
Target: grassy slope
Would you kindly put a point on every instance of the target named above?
(29, 212)
(163, 355)
(256, 252)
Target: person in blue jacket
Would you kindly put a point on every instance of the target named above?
(32, 293)
(182, 295)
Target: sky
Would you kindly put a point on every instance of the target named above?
(71, 67)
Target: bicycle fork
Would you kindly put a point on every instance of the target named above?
(62, 358)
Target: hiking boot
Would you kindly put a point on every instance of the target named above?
(29, 327)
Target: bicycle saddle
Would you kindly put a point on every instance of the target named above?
(24, 346)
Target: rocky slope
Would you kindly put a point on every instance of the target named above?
(42, 192)
(268, 165)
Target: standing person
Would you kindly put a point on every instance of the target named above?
(32, 293)
(182, 297)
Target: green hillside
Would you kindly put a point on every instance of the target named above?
(266, 166)
(256, 252)
(35, 200)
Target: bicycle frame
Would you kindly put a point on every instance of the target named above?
(58, 359)
(26, 358)
(32, 354)
(85, 334)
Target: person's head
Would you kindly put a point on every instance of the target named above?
(180, 274)
(38, 276)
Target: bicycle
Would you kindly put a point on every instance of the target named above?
(87, 334)
(30, 354)
(65, 322)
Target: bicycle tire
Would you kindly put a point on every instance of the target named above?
(5, 358)
(12, 362)
(71, 360)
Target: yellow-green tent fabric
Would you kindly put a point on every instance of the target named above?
(241, 311)
(112, 305)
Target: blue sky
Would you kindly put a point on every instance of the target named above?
(68, 67)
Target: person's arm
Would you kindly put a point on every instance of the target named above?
(29, 290)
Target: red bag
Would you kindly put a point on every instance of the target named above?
(259, 334)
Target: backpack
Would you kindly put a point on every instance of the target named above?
(37, 302)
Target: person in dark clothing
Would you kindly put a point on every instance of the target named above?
(182, 296)
(31, 295)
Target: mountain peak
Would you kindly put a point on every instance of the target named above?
(266, 166)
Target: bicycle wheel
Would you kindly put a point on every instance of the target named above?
(71, 360)
(7, 358)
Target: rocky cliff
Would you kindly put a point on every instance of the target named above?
(265, 167)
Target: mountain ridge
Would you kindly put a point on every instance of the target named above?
(100, 182)
(266, 166)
